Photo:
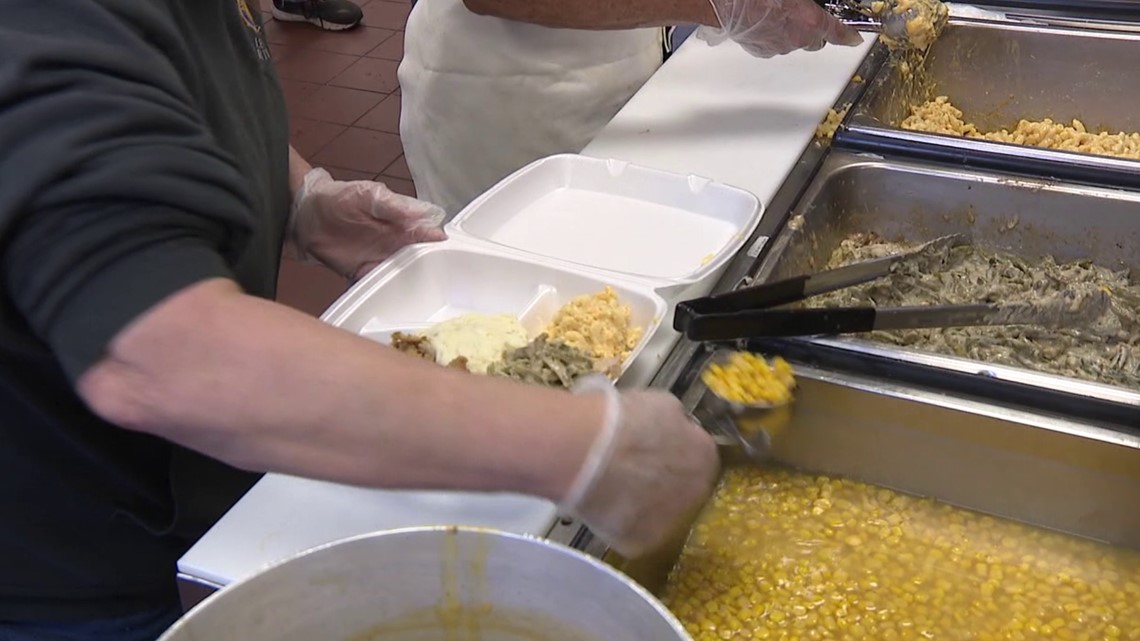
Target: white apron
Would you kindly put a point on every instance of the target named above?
(484, 96)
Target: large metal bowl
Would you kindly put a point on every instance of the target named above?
(433, 584)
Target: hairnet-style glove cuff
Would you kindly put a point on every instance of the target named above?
(648, 471)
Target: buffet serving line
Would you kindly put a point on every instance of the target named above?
(828, 538)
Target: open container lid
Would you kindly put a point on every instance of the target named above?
(612, 216)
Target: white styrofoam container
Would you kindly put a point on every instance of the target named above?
(428, 284)
(669, 230)
(561, 227)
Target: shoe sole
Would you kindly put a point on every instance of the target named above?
(285, 16)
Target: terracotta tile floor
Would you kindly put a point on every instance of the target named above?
(344, 115)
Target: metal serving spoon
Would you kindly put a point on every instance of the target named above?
(896, 18)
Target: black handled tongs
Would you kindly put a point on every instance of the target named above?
(749, 313)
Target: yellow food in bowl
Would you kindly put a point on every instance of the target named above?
(747, 378)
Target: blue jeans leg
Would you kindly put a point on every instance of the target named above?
(682, 34)
(144, 626)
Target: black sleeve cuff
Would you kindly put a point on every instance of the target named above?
(110, 299)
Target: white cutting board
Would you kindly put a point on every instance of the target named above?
(284, 515)
(720, 113)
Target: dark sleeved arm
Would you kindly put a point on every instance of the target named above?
(113, 194)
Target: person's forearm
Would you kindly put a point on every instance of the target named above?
(265, 388)
(599, 14)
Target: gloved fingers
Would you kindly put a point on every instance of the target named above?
(816, 24)
(367, 199)
(767, 28)
(713, 36)
(428, 234)
(762, 52)
(802, 25)
(842, 34)
(351, 226)
(816, 46)
(649, 470)
(391, 241)
(739, 16)
(710, 35)
(404, 211)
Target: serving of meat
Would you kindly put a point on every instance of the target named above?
(414, 345)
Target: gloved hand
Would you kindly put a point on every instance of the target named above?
(351, 226)
(767, 28)
(647, 473)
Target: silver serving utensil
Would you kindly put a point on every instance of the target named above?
(897, 16)
(893, 16)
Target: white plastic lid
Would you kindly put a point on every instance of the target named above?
(613, 216)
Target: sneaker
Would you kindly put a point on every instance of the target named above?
(332, 15)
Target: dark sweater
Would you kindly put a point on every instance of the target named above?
(143, 148)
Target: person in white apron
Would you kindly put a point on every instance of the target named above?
(483, 96)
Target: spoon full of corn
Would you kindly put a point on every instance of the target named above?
(749, 400)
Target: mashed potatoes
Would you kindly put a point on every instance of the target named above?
(598, 324)
(479, 338)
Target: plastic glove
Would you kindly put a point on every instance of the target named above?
(352, 226)
(767, 28)
(648, 471)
